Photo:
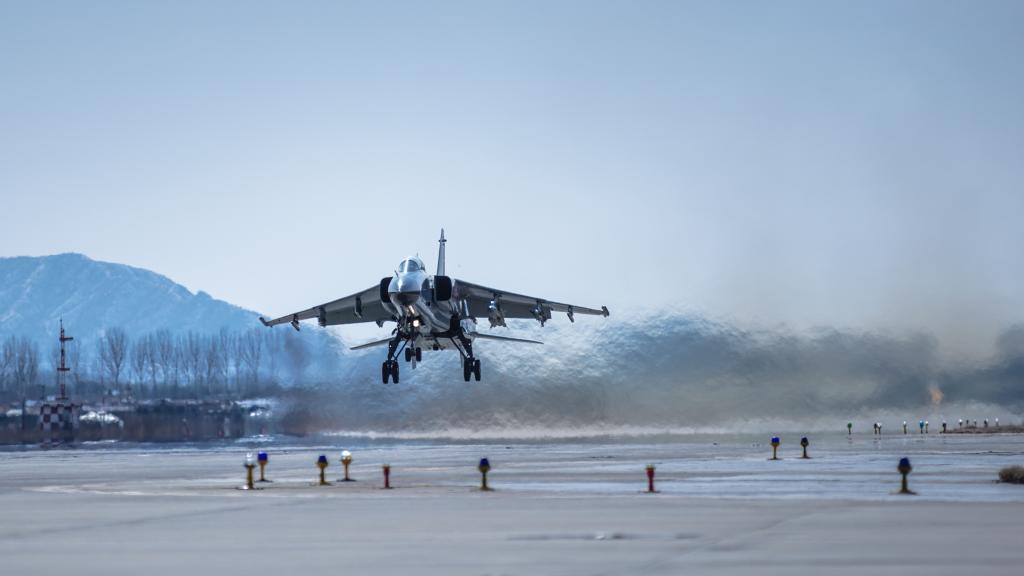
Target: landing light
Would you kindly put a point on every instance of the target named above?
(416, 323)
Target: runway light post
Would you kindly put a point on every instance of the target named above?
(322, 464)
(849, 428)
(905, 468)
(262, 459)
(249, 463)
(925, 426)
(775, 448)
(346, 459)
(944, 427)
(960, 423)
(387, 476)
(650, 478)
(804, 444)
(904, 427)
(484, 467)
(920, 426)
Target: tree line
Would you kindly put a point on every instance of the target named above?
(160, 364)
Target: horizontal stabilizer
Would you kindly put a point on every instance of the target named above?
(371, 344)
(506, 338)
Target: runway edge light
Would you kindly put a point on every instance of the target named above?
(249, 463)
(650, 479)
(484, 467)
(262, 459)
(321, 463)
(346, 459)
(904, 469)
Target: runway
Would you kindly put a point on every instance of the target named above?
(571, 507)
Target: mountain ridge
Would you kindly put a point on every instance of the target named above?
(94, 295)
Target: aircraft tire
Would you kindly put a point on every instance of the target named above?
(394, 372)
(408, 354)
(466, 369)
(419, 354)
(476, 370)
(385, 372)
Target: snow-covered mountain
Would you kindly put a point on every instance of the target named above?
(91, 296)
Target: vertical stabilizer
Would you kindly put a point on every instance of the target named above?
(440, 254)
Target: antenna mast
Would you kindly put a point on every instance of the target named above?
(63, 369)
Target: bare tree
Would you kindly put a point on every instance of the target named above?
(250, 351)
(114, 353)
(139, 359)
(225, 356)
(211, 363)
(26, 365)
(192, 348)
(154, 359)
(32, 355)
(6, 362)
(168, 354)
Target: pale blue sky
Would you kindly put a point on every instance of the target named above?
(800, 163)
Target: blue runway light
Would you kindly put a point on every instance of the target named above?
(484, 467)
(262, 457)
(322, 459)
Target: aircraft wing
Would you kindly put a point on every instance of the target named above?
(514, 305)
(364, 306)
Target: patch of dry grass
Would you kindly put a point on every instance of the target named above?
(1012, 474)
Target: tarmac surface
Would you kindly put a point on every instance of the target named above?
(557, 508)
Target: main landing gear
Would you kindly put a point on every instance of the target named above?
(417, 354)
(470, 365)
(389, 370)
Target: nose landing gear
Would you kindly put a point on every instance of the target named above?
(389, 369)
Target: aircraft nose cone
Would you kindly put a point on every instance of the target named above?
(407, 298)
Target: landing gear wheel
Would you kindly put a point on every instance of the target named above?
(394, 371)
(467, 368)
(419, 354)
(385, 371)
(476, 370)
(408, 354)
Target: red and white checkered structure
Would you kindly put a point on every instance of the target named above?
(58, 421)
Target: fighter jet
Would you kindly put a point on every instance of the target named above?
(432, 312)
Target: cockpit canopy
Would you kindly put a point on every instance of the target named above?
(413, 264)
